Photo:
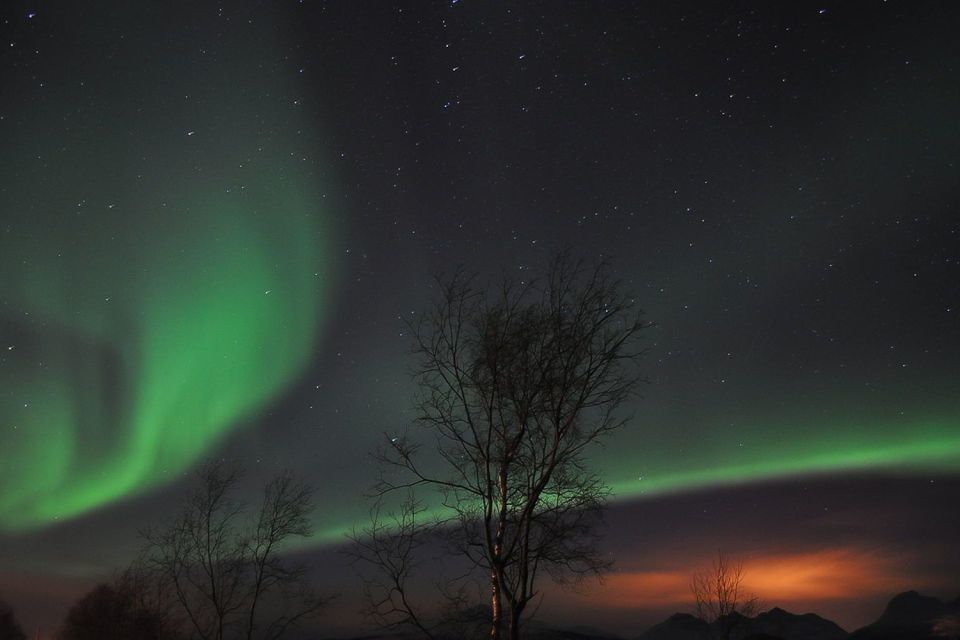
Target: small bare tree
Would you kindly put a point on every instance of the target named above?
(516, 386)
(224, 572)
(391, 543)
(719, 596)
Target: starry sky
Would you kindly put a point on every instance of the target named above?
(215, 219)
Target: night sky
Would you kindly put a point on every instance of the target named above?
(216, 218)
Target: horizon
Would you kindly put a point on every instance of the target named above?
(643, 589)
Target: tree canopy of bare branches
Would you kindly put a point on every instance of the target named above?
(516, 384)
(719, 596)
(130, 606)
(225, 570)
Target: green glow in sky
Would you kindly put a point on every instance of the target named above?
(931, 446)
(165, 268)
(131, 364)
(165, 273)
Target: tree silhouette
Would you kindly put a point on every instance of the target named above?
(516, 384)
(10, 629)
(125, 609)
(224, 570)
(719, 596)
(391, 543)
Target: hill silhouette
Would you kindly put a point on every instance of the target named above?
(773, 624)
(908, 616)
(911, 616)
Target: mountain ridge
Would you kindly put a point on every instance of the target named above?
(907, 616)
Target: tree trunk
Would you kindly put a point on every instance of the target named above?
(515, 623)
(496, 606)
(496, 571)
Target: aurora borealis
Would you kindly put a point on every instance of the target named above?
(167, 283)
(215, 219)
(118, 391)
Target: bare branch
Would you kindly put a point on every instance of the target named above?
(223, 572)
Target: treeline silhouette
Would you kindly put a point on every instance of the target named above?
(121, 610)
(10, 629)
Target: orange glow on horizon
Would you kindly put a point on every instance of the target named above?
(786, 580)
(830, 574)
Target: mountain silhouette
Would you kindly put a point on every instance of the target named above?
(908, 616)
(775, 624)
(911, 616)
(679, 626)
(788, 626)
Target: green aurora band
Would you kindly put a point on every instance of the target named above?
(931, 447)
(937, 450)
(164, 274)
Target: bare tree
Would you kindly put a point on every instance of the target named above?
(515, 387)
(125, 608)
(224, 572)
(154, 598)
(720, 598)
(391, 542)
(283, 515)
